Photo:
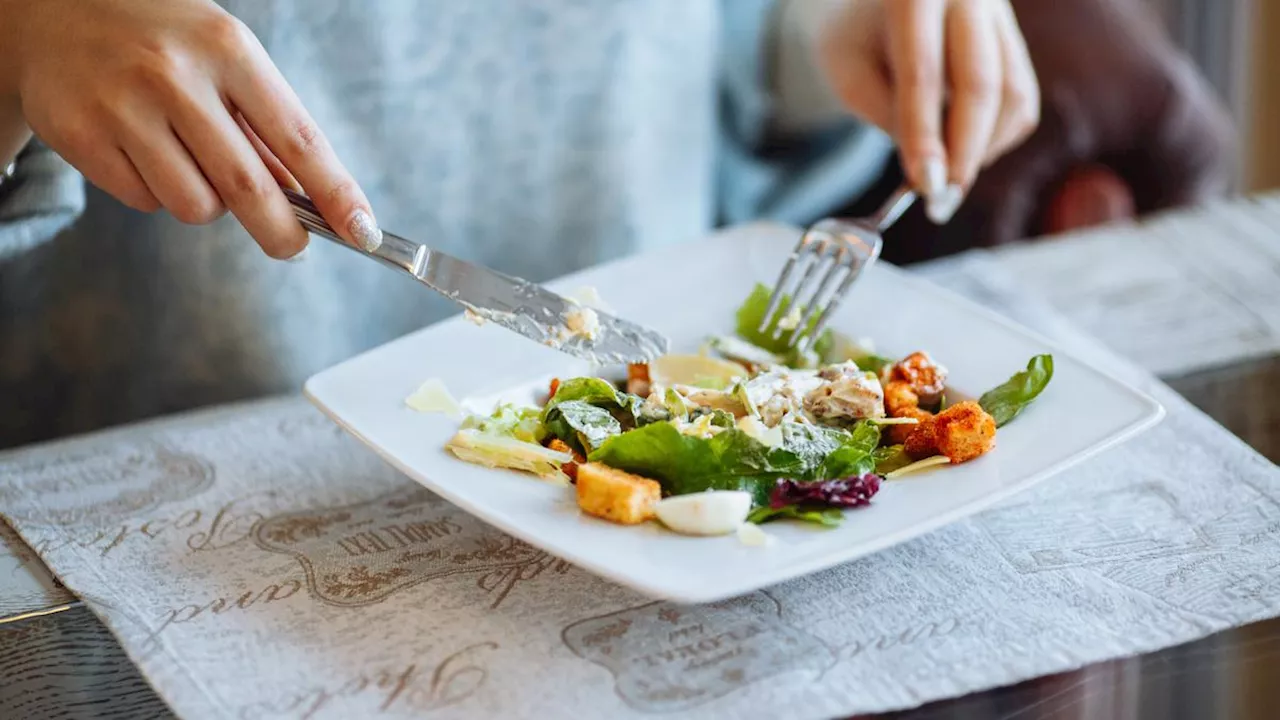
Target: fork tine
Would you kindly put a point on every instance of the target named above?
(818, 254)
(842, 260)
(857, 265)
(779, 287)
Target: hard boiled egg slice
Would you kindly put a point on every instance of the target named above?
(714, 512)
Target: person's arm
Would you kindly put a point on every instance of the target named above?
(173, 104)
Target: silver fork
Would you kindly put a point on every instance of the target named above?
(846, 246)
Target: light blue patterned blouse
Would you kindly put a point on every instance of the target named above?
(534, 136)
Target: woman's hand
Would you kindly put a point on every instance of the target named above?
(175, 104)
(950, 80)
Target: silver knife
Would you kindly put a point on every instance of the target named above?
(519, 305)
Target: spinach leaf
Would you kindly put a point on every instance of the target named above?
(825, 516)
(583, 426)
(890, 458)
(751, 313)
(1005, 401)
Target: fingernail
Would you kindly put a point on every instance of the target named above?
(299, 256)
(943, 205)
(365, 230)
(935, 178)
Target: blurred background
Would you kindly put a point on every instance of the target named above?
(1228, 39)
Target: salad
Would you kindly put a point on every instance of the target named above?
(746, 432)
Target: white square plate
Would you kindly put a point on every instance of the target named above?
(688, 292)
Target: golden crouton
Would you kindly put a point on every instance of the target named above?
(964, 431)
(615, 495)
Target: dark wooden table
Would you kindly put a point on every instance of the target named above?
(1193, 297)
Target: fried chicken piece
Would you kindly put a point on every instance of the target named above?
(901, 401)
(899, 398)
(920, 441)
(638, 379)
(963, 431)
(927, 378)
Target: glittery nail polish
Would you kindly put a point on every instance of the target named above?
(365, 230)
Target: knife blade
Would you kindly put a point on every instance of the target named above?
(518, 305)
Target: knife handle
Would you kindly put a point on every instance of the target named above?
(394, 250)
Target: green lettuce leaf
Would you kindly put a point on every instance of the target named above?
(855, 457)
(683, 464)
(1005, 401)
(751, 313)
(812, 444)
(582, 425)
(599, 393)
(733, 460)
(521, 423)
(504, 451)
(824, 516)
(593, 391)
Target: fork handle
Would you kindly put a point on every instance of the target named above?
(894, 207)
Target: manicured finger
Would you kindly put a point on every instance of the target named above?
(271, 108)
(976, 78)
(172, 174)
(1020, 93)
(915, 43)
(277, 168)
(111, 170)
(241, 178)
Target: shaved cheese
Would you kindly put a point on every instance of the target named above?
(918, 465)
(765, 435)
(754, 536)
(893, 421)
(583, 321)
(791, 320)
(433, 397)
(590, 297)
